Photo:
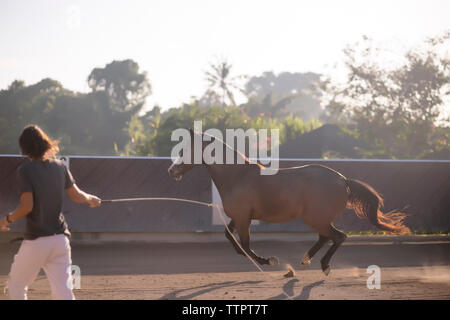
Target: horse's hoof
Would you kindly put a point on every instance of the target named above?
(291, 272)
(273, 261)
(326, 270)
(304, 266)
(306, 262)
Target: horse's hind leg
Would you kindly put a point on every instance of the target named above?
(229, 235)
(244, 236)
(311, 252)
(337, 237)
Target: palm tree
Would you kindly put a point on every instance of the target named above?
(220, 83)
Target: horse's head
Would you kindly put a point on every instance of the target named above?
(179, 168)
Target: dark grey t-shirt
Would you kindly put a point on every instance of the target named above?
(47, 180)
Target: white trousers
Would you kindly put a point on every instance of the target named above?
(53, 254)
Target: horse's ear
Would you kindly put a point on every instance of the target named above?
(193, 133)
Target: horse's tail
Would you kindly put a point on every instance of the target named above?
(368, 203)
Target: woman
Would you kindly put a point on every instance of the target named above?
(42, 180)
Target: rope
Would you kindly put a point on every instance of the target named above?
(194, 202)
(166, 199)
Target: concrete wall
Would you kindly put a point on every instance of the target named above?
(423, 187)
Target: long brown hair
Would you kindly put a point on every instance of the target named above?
(36, 144)
(368, 203)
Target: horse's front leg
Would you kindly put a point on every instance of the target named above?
(243, 230)
(229, 234)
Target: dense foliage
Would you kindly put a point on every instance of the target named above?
(399, 111)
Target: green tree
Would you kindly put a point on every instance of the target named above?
(267, 106)
(221, 85)
(123, 83)
(142, 131)
(21, 105)
(397, 110)
(284, 93)
(157, 141)
(96, 123)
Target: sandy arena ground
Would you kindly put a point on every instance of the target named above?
(409, 270)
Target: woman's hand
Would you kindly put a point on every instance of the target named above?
(94, 201)
(4, 224)
(79, 196)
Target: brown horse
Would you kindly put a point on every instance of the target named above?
(314, 193)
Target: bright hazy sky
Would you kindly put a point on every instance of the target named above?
(174, 40)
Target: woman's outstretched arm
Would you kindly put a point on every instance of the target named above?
(79, 196)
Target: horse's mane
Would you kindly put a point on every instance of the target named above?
(250, 162)
(246, 159)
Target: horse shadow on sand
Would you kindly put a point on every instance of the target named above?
(287, 294)
(178, 294)
(288, 291)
